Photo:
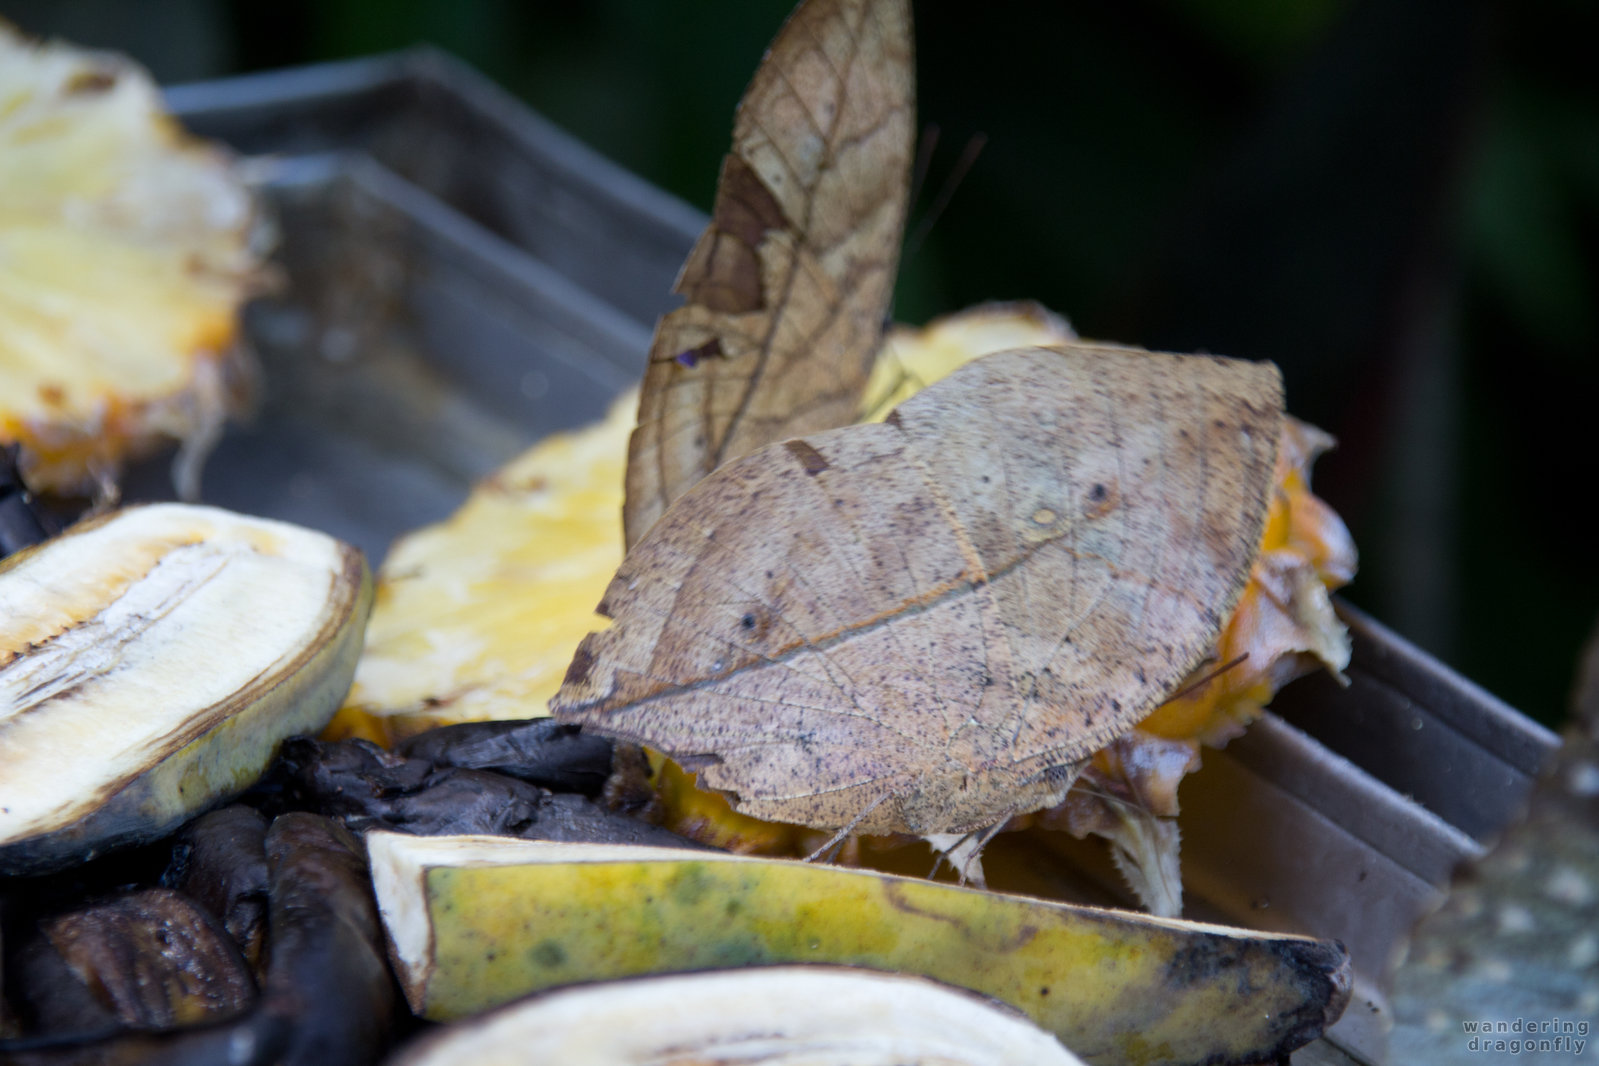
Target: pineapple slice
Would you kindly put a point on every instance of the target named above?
(476, 617)
(124, 255)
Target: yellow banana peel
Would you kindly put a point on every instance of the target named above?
(474, 922)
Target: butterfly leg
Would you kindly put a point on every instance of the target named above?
(943, 845)
(963, 852)
(983, 837)
(826, 852)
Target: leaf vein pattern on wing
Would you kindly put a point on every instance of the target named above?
(705, 687)
(1019, 546)
(860, 577)
(764, 353)
(1193, 559)
(706, 690)
(927, 669)
(981, 584)
(1079, 618)
(819, 46)
(805, 638)
(1159, 493)
(801, 99)
(837, 788)
(819, 646)
(846, 691)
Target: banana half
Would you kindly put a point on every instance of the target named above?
(151, 661)
(766, 1016)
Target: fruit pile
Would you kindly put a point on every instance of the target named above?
(250, 798)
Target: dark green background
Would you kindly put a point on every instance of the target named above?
(1396, 200)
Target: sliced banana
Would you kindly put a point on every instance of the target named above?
(150, 663)
(778, 1016)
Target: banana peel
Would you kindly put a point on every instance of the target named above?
(473, 922)
(151, 663)
(773, 1016)
(220, 863)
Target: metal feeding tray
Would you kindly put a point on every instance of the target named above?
(454, 134)
(462, 278)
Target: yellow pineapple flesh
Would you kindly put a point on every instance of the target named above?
(476, 618)
(124, 256)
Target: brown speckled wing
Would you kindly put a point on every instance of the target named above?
(1003, 576)
(787, 290)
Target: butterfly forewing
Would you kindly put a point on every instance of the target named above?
(787, 289)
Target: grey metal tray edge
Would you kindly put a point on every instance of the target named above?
(445, 127)
(240, 99)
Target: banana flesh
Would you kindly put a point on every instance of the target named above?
(150, 663)
(774, 1016)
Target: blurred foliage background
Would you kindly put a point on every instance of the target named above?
(1395, 200)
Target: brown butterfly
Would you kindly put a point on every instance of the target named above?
(924, 625)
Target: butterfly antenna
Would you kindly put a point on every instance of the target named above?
(925, 147)
(968, 156)
(826, 852)
(876, 408)
(1208, 678)
(924, 160)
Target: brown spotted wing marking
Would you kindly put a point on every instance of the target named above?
(945, 604)
(787, 289)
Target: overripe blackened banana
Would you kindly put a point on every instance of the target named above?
(327, 997)
(367, 787)
(220, 861)
(256, 1039)
(540, 751)
(147, 960)
(326, 966)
